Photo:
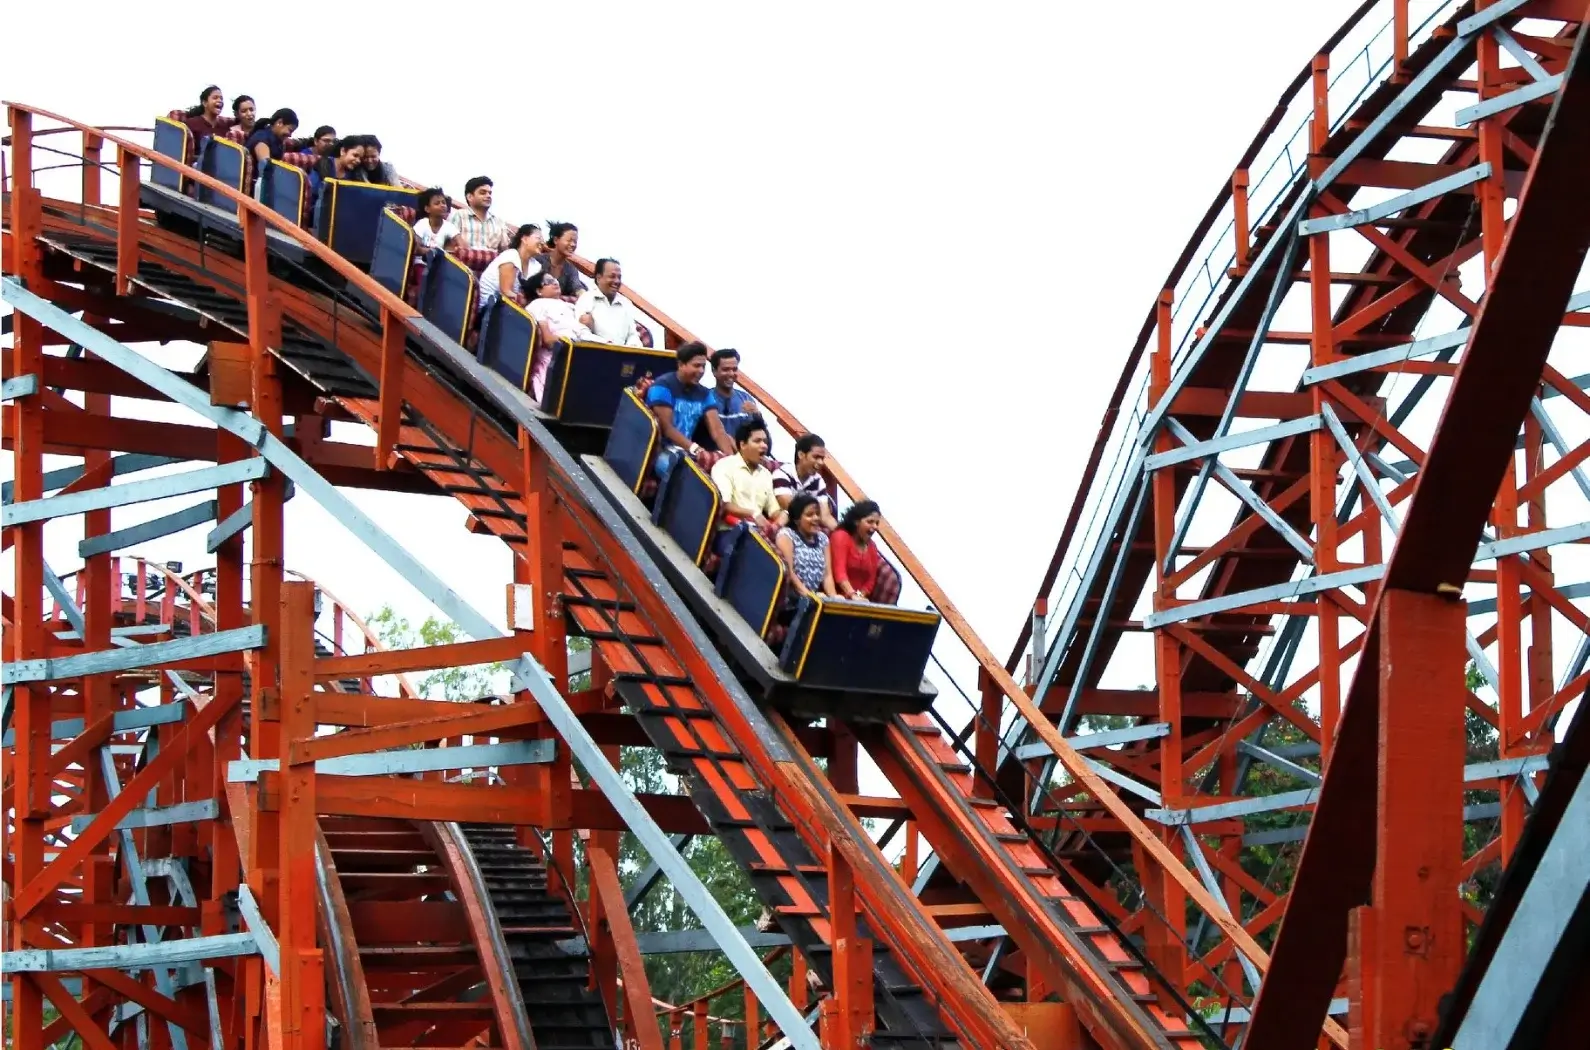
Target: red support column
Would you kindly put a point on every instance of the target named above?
(1324, 456)
(852, 960)
(1411, 942)
(302, 981)
(265, 587)
(25, 637)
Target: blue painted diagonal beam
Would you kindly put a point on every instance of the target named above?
(1402, 202)
(1240, 489)
(410, 760)
(143, 532)
(1517, 97)
(238, 520)
(121, 721)
(128, 956)
(1196, 449)
(129, 463)
(134, 492)
(157, 816)
(108, 660)
(1391, 355)
(19, 386)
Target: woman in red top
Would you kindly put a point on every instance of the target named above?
(855, 552)
(205, 120)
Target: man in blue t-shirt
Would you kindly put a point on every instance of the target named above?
(685, 410)
(734, 405)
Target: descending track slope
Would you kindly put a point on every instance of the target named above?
(689, 702)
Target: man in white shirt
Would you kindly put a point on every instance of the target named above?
(605, 311)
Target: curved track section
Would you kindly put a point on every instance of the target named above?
(1254, 474)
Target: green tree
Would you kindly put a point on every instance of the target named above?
(451, 683)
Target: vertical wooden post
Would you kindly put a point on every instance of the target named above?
(265, 598)
(92, 146)
(302, 979)
(1399, 36)
(1239, 222)
(700, 1027)
(394, 348)
(31, 758)
(986, 738)
(852, 958)
(127, 220)
(1324, 456)
(1416, 940)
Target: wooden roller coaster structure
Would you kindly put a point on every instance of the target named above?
(232, 820)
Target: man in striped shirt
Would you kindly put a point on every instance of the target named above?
(806, 475)
(477, 227)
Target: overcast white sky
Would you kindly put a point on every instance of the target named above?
(932, 229)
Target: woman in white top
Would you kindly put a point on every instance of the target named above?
(554, 317)
(503, 275)
(433, 229)
(552, 312)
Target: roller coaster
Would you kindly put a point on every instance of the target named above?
(1331, 504)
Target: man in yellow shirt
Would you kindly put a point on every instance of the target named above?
(745, 485)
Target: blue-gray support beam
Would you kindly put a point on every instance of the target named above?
(1206, 874)
(1281, 762)
(1101, 616)
(1391, 355)
(132, 860)
(1121, 780)
(128, 463)
(1263, 435)
(413, 760)
(128, 956)
(121, 721)
(1240, 489)
(134, 492)
(1548, 426)
(1368, 481)
(146, 630)
(260, 930)
(238, 520)
(1533, 541)
(1275, 592)
(19, 386)
(108, 660)
(673, 942)
(1539, 936)
(143, 532)
(1525, 59)
(1090, 741)
(1517, 97)
(1476, 773)
(650, 876)
(157, 816)
(1401, 202)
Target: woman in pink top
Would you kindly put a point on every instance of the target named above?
(855, 552)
